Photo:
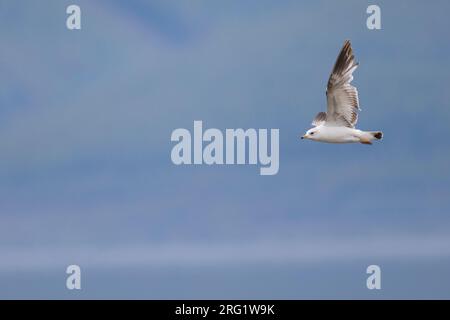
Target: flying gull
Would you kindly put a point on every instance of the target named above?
(337, 125)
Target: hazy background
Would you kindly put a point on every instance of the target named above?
(85, 170)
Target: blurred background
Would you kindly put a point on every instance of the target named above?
(86, 176)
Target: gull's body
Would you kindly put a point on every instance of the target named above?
(332, 134)
(337, 125)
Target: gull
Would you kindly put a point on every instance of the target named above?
(337, 125)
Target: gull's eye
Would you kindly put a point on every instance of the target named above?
(311, 133)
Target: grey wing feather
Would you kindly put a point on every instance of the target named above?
(320, 118)
(342, 97)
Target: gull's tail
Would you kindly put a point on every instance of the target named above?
(377, 134)
(367, 136)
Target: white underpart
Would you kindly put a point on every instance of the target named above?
(331, 134)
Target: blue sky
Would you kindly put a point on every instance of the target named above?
(86, 176)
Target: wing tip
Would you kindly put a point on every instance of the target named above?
(345, 59)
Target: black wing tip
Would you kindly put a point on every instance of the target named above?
(345, 56)
(347, 47)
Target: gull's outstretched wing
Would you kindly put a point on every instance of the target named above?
(342, 97)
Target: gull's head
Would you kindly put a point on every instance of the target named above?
(311, 134)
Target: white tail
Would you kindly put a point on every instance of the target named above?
(368, 136)
(377, 134)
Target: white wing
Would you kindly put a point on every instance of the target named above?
(342, 97)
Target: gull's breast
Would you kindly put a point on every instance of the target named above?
(339, 135)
